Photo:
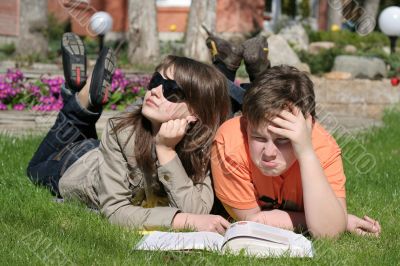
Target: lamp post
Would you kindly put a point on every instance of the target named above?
(389, 23)
(100, 24)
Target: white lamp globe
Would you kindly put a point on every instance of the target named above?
(101, 23)
(389, 21)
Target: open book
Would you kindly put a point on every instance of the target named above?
(254, 238)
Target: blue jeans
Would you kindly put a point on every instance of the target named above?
(72, 135)
(237, 93)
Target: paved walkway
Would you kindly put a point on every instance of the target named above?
(31, 122)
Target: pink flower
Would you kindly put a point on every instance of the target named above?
(19, 107)
(3, 106)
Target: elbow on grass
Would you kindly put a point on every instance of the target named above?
(332, 231)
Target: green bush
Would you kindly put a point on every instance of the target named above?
(322, 62)
(55, 28)
(368, 46)
(394, 62)
(344, 37)
(7, 49)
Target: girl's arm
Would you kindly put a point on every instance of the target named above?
(115, 196)
(182, 192)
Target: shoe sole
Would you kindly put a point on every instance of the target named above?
(74, 61)
(103, 72)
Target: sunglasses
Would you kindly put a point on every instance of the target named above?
(171, 90)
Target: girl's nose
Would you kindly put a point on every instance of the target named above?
(157, 91)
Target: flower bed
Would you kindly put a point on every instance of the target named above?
(20, 93)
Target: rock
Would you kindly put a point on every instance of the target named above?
(338, 75)
(386, 50)
(350, 49)
(361, 67)
(6, 64)
(281, 53)
(303, 67)
(316, 47)
(296, 36)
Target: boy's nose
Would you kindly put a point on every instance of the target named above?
(270, 150)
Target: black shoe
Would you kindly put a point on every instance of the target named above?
(101, 79)
(255, 56)
(74, 61)
(224, 51)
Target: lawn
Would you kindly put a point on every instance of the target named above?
(36, 230)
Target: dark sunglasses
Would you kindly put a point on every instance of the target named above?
(171, 90)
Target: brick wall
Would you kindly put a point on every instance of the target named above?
(9, 17)
(232, 15)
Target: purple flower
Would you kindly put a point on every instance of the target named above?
(3, 106)
(19, 107)
(113, 106)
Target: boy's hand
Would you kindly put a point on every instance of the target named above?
(296, 128)
(364, 227)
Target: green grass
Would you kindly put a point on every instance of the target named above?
(36, 230)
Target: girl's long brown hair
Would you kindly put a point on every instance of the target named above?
(207, 96)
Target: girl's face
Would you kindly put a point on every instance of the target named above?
(158, 109)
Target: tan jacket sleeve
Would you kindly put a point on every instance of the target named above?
(114, 193)
(182, 192)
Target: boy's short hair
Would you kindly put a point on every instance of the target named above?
(278, 89)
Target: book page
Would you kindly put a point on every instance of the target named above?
(181, 241)
(257, 230)
(245, 229)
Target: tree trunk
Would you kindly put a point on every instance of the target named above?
(144, 47)
(202, 12)
(335, 16)
(33, 24)
(372, 7)
(368, 19)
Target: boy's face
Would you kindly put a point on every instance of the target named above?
(272, 154)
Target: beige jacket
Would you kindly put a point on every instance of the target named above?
(108, 178)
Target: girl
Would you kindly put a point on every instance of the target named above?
(151, 166)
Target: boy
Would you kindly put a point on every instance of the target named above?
(277, 165)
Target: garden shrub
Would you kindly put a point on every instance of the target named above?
(19, 93)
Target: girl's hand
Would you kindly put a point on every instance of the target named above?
(168, 137)
(172, 132)
(296, 128)
(366, 226)
(201, 222)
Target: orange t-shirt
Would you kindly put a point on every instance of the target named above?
(239, 184)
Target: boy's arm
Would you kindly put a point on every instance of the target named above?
(324, 213)
(279, 218)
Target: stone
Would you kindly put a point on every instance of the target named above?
(317, 47)
(6, 64)
(303, 67)
(361, 67)
(281, 53)
(296, 36)
(350, 49)
(338, 75)
(386, 50)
